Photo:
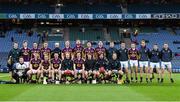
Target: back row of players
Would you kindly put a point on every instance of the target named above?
(93, 62)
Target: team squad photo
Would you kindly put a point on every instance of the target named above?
(90, 50)
(88, 64)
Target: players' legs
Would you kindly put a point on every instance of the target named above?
(169, 66)
(29, 73)
(163, 66)
(60, 75)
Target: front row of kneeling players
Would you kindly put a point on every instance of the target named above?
(71, 71)
(100, 70)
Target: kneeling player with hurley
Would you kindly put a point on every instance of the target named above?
(115, 69)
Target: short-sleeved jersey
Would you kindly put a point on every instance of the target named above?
(67, 50)
(45, 52)
(26, 54)
(133, 54)
(77, 49)
(33, 51)
(35, 63)
(56, 63)
(79, 63)
(45, 64)
(99, 51)
(89, 51)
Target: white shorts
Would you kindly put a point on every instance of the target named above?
(133, 63)
(154, 64)
(79, 71)
(27, 64)
(143, 64)
(124, 64)
(166, 65)
(34, 71)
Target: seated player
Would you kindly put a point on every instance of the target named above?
(89, 50)
(67, 68)
(115, 69)
(67, 49)
(166, 58)
(143, 60)
(79, 68)
(133, 60)
(101, 68)
(20, 71)
(56, 67)
(46, 68)
(154, 56)
(89, 65)
(35, 68)
(123, 57)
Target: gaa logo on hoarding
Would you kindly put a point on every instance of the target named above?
(71, 16)
(27, 16)
(41, 16)
(12, 16)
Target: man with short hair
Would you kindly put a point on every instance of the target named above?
(166, 58)
(123, 58)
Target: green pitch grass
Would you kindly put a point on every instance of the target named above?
(84, 92)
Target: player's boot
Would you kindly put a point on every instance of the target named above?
(172, 81)
(132, 81)
(136, 79)
(158, 79)
(147, 80)
(162, 80)
(141, 79)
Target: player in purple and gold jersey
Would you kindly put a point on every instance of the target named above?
(133, 55)
(34, 50)
(79, 67)
(67, 49)
(46, 66)
(78, 49)
(100, 49)
(45, 51)
(35, 67)
(56, 66)
(89, 51)
(26, 53)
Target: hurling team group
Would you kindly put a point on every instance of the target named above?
(88, 64)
